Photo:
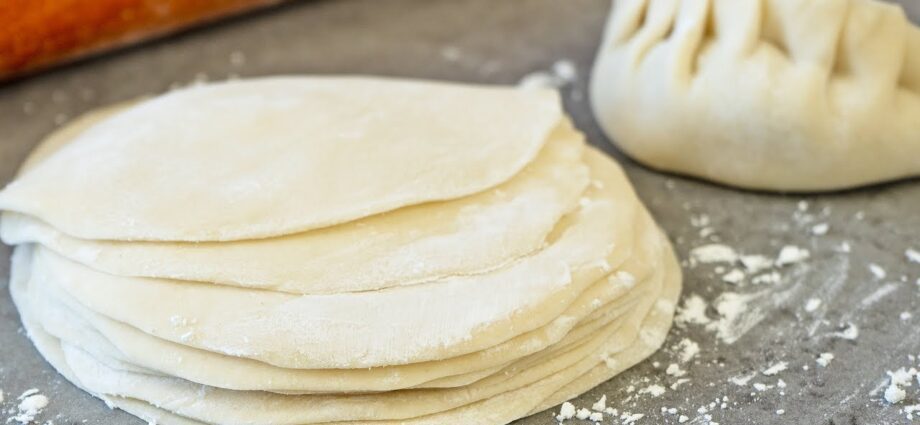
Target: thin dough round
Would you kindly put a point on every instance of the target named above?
(214, 406)
(329, 149)
(474, 286)
(368, 329)
(402, 247)
(124, 345)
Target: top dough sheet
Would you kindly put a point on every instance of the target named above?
(274, 156)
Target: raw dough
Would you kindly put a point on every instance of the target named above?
(789, 95)
(283, 329)
(221, 406)
(66, 319)
(476, 283)
(266, 157)
(403, 247)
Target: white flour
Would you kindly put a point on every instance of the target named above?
(851, 332)
(877, 271)
(791, 254)
(820, 229)
(812, 304)
(912, 255)
(31, 404)
(653, 390)
(693, 311)
(714, 253)
(563, 73)
(737, 315)
(688, 350)
(776, 368)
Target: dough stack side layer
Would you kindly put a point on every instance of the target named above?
(501, 268)
(786, 95)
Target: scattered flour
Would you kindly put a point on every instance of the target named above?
(736, 316)
(820, 229)
(851, 332)
(742, 380)
(791, 254)
(714, 253)
(902, 377)
(565, 70)
(701, 220)
(693, 311)
(600, 404)
(912, 255)
(877, 271)
(654, 390)
(688, 350)
(776, 368)
(767, 278)
(756, 263)
(675, 370)
(878, 294)
(566, 411)
(628, 418)
(735, 276)
(812, 304)
(31, 404)
(678, 383)
(563, 73)
(894, 394)
(910, 410)
(28, 392)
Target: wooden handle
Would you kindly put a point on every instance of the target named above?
(35, 34)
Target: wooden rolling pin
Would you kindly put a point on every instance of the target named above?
(36, 34)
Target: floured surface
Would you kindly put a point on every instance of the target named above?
(372, 38)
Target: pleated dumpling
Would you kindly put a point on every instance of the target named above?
(790, 95)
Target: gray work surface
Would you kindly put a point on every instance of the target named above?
(499, 42)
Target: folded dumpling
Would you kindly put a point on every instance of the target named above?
(790, 95)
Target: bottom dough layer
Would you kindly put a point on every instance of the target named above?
(611, 358)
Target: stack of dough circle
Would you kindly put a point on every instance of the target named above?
(317, 250)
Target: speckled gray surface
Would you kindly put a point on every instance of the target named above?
(498, 42)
